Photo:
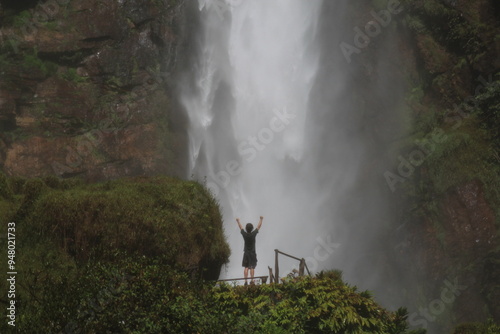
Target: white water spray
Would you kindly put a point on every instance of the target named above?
(248, 121)
(276, 130)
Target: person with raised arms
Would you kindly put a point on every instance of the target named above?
(249, 254)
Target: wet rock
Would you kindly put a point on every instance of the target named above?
(84, 90)
(469, 223)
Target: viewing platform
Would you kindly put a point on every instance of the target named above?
(274, 278)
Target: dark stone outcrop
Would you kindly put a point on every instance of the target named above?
(85, 88)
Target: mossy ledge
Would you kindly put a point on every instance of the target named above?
(159, 217)
(65, 227)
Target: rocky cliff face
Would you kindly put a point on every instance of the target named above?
(451, 216)
(445, 173)
(85, 88)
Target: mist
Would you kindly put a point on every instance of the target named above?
(283, 124)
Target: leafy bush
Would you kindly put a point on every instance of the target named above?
(477, 328)
(72, 236)
(140, 295)
(321, 304)
(151, 217)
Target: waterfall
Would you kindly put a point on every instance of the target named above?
(254, 78)
(278, 129)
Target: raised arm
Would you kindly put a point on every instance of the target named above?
(239, 224)
(260, 222)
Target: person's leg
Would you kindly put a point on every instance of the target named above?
(253, 264)
(244, 263)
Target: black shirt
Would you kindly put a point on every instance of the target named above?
(249, 240)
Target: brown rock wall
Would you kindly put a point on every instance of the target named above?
(82, 90)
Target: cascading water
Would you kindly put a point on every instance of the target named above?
(248, 120)
(278, 129)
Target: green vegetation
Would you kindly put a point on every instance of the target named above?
(461, 99)
(457, 31)
(51, 25)
(114, 82)
(487, 104)
(32, 62)
(323, 304)
(65, 229)
(467, 151)
(5, 191)
(436, 56)
(477, 328)
(73, 76)
(120, 257)
(454, 96)
(21, 19)
(151, 217)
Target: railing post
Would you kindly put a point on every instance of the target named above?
(307, 268)
(301, 267)
(276, 267)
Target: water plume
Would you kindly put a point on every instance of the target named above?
(281, 125)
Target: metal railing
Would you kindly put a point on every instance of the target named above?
(276, 276)
(263, 279)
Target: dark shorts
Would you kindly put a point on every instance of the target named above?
(249, 260)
